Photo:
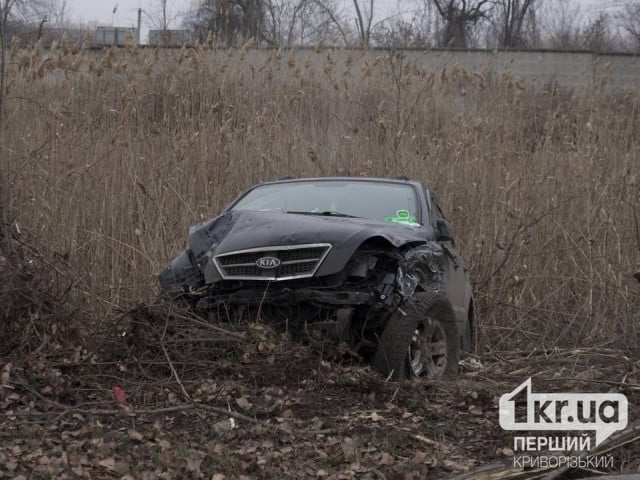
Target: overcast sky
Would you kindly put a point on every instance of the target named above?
(101, 11)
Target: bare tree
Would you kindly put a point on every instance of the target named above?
(334, 18)
(629, 19)
(597, 34)
(56, 12)
(309, 24)
(562, 25)
(398, 33)
(160, 14)
(363, 22)
(229, 20)
(459, 16)
(285, 21)
(510, 18)
(412, 28)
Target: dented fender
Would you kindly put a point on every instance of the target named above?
(422, 265)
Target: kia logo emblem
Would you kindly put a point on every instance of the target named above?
(268, 262)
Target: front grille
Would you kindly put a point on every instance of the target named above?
(296, 261)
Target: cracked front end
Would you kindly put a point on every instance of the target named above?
(342, 285)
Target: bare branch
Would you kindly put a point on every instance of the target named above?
(331, 14)
(458, 17)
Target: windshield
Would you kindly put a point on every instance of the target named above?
(372, 200)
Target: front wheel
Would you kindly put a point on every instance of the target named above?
(421, 341)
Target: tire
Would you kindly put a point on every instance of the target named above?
(426, 336)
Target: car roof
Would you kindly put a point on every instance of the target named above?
(350, 179)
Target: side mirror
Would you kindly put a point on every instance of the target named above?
(443, 231)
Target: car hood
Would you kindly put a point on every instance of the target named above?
(245, 229)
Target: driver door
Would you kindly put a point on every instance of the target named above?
(455, 269)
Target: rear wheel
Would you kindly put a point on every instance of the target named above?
(422, 342)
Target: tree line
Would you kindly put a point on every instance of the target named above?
(604, 26)
(519, 24)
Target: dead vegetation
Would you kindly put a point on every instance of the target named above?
(36, 314)
(111, 156)
(262, 407)
(180, 397)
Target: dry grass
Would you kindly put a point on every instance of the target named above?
(113, 155)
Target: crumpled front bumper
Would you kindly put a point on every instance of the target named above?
(288, 297)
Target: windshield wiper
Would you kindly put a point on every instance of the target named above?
(326, 213)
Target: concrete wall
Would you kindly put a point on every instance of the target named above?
(539, 69)
(170, 37)
(571, 70)
(114, 36)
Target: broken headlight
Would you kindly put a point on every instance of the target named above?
(208, 266)
(362, 265)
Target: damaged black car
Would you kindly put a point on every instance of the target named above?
(369, 262)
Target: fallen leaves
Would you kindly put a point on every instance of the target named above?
(194, 459)
(168, 459)
(6, 373)
(224, 426)
(375, 417)
(349, 448)
(135, 435)
(507, 452)
(108, 463)
(119, 395)
(455, 466)
(386, 459)
(244, 403)
(475, 410)
(46, 390)
(333, 423)
(424, 458)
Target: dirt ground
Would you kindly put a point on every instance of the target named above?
(189, 400)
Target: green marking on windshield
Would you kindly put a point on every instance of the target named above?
(403, 217)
